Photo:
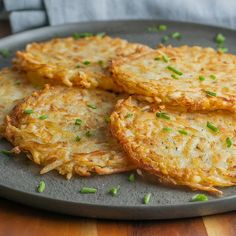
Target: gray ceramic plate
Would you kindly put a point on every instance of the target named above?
(19, 177)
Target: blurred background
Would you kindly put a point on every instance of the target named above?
(28, 14)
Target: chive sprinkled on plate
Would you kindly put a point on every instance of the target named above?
(210, 93)
(28, 111)
(165, 39)
(212, 127)
(182, 131)
(92, 106)
(171, 68)
(131, 178)
(77, 138)
(176, 35)
(146, 198)
(6, 152)
(201, 78)
(107, 119)
(41, 187)
(220, 38)
(89, 133)
(162, 27)
(114, 191)
(86, 62)
(166, 129)
(174, 76)
(4, 52)
(163, 115)
(88, 190)
(101, 34)
(223, 49)
(82, 35)
(129, 115)
(165, 58)
(157, 59)
(78, 121)
(228, 142)
(213, 77)
(199, 198)
(43, 117)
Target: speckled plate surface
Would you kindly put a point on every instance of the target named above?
(19, 177)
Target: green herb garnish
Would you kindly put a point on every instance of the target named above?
(157, 59)
(129, 115)
(175, 77)
(4, 53)
(91, 106)
(88, 190)
(77, 138)
(163, 115)
(114, 191)
(201, 78)
(101, 34)
(165, 39)
(176, 35)
(86, 62)
(152, 29)
(43, 117)
(107, 119)
(199, 198)
(89, 133)
(220, 38)
(41, 187)
(223, 49)
(146, 198)
(167, 129)
(78, 122)
(213, 94)
(184, 132)
(28, 111)
(212, 127)
(6, 152)
(228, 142)
(82, 35)
(213, 77)
(162, 28)
(165, 58)
(174, 70)
(131, 178)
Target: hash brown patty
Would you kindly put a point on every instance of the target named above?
(67, 129)
(191, 149)
(74, 62)
(193, 78)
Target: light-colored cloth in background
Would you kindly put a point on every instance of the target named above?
(27, 14)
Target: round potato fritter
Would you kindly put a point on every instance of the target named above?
(193, 78)
(13, 87)
(67, 129)
(192, 149)
(74, 62)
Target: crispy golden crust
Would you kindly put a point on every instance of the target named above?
(199, 158)
(13, 87)
(147, 75)
(81, 62)
(53, 142)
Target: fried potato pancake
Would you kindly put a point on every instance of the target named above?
(67, 129)
(193, 78)
(74, 62)
(13, 87)
(190, 149)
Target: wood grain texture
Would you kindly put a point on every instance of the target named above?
(16, 219)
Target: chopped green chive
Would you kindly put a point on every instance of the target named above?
(129, 115)
(174, 70)
(88, 190)
(89, 133)
(77, 138)
(213, 94)
(176, 35)
(213, 77)
(152, 29)
(223, 49)
(78, 66)
(4, 53)
(157, 58)
(162, 115)
(41, 186)
(78, 122)
(107, 119)
(43, 117)
(165, 58)
(86, 62)
(91, 106)
(167, 129)
(131, 178)
(28, 111)
(6, 152)
(82, 35)
(201, 78)
(228, 142)
(101, 34)
(212, 127)
(146, 198)
(220, 38)
(165, 39)
(199, 198)
(162, 27)
(114, 191)
(184, 132)
(175, 77)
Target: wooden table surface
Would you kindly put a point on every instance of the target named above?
(16, 219)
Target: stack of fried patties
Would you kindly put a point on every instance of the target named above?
(110, 106)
